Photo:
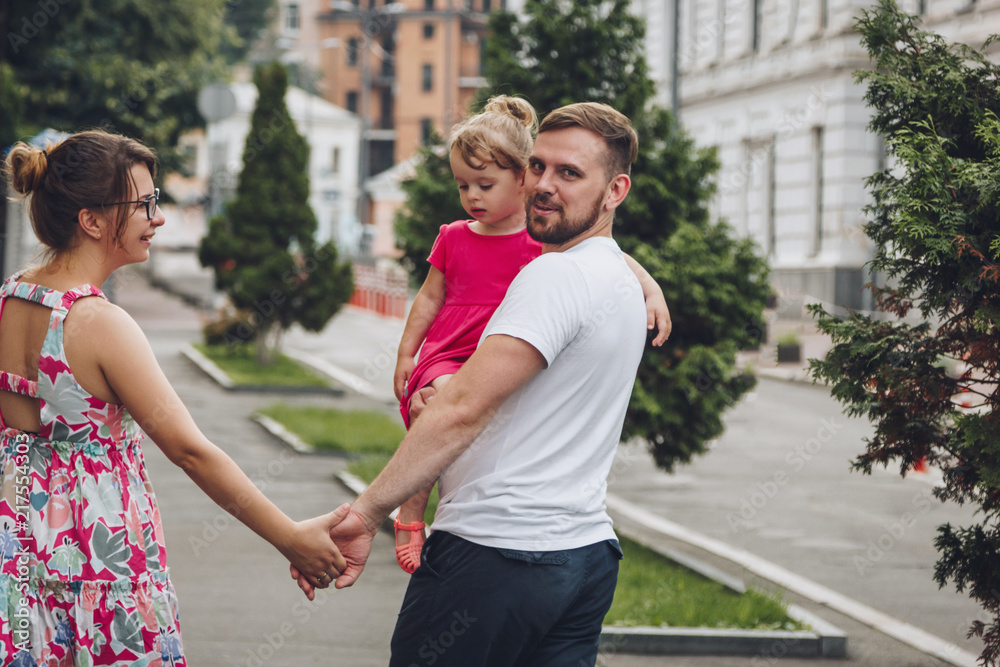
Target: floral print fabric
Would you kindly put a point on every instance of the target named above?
(83, 575)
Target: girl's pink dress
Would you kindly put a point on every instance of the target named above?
(477, 271)
(83, 567)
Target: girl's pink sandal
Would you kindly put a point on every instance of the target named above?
(408, 555)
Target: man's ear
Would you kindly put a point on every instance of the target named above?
(91, 224)
(616, 191)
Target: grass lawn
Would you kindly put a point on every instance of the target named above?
(655, 591)
(652, 590)
(239, 363)
(354, 432)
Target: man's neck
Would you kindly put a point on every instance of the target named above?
(601, 228)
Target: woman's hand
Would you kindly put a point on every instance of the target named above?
(311, 550)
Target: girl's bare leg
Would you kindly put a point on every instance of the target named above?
(413, 509)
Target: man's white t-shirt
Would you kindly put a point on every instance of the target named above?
(536, 478)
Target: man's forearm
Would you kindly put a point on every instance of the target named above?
(443, 431)
(451, 422)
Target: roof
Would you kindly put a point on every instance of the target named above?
(301, 104)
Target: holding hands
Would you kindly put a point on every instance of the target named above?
(310, 548)
(352, 534)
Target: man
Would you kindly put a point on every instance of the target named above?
(522, 564)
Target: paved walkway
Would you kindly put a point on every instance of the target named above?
(818, 521)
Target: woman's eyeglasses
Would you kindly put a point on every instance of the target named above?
(150, 202)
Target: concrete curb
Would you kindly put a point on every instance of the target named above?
(337, 374)
(283, 434)
(208, 367)
(899, 630)
(825, 641)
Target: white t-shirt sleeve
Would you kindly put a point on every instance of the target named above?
(545, 306)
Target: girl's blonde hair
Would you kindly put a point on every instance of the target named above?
(503, 133)
(87, 170)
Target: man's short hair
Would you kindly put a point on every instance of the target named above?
(611, 125)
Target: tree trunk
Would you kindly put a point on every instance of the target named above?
(268, 344)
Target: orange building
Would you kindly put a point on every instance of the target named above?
(409, 67)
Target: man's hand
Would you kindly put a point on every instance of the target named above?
(353, 536)
(312, 552)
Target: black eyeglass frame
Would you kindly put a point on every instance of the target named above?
(150, 212)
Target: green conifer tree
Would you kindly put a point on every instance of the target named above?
(715, 285)
(926, 370)
(262, 247)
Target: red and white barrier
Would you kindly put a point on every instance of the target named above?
(380, 289)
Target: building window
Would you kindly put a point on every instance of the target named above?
(426, 130)
(352, 101)
(428, 30)
(755, 20)
(292, 18)
(487, 5)
(817, 189)
(387, 110)
(772, 222)
(921, 6)
(335, 161)
(427, 78)
(824, 14)
(352, 52)
(429, 5)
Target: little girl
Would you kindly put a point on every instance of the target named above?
(472, 264)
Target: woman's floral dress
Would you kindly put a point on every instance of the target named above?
(84, 573)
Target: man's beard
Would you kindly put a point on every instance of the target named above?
(563, 231)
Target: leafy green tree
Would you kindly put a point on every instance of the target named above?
(246, 19)
(715, 285)
(262, 247)
(132, 67)
(431, 201)
(127, 66)
(925, 370)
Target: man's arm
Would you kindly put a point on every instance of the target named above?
(456, 416)
(452, 421)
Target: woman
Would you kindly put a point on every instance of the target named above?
(84, 577)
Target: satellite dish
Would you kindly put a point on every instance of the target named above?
(216, 102)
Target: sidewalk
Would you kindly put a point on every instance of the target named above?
(821, 522)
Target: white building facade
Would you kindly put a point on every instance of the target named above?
(770, 85)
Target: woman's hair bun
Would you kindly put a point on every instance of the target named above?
(26, 167)
(515, 107)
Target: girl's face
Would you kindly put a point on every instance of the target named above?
(493, 196)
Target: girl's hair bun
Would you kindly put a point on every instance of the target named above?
(515, 107)
(27, 166)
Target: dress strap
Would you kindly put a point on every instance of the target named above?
(44, 296)
(18, 385)
(70, 297)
